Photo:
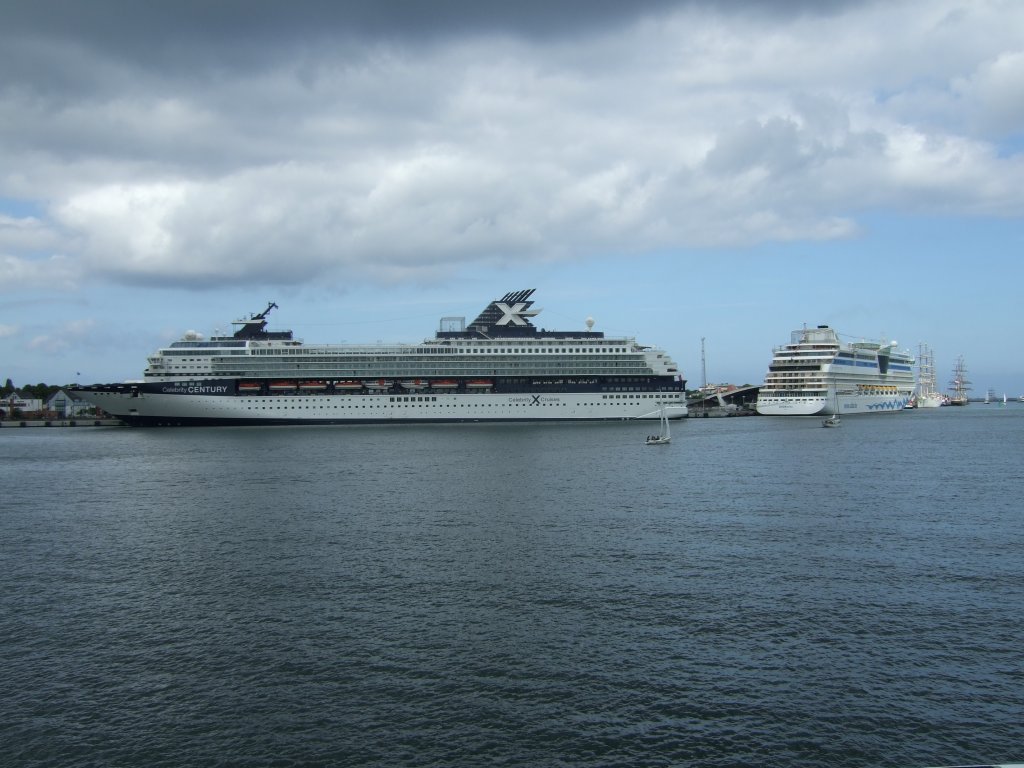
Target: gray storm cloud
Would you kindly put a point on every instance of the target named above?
(189, 143)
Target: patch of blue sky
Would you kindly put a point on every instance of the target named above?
(21, 208)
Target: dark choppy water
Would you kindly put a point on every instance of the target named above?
(761, 592)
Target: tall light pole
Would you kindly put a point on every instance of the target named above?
(703, 377)
(703, 366)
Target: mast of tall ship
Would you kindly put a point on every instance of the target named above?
(960, 383)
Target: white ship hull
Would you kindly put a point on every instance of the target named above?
(180, 409)
(848, 404)
(929, 400)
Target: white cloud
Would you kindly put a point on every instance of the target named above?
(55, 272)
(65, 337)
(26, 233)
(127, 222)
(406, 159)
(994, 93)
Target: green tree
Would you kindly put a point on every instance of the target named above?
(39, 391)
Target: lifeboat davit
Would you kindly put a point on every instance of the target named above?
(312, 386)
(378, 384)
(348, 386)
(414, 384)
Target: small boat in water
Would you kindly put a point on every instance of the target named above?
(664, 436)
(833, 420)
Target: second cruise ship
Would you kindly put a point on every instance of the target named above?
(816, 374)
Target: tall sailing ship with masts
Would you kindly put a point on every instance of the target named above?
(960, 384)
(927, 395)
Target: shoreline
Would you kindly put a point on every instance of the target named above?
(88, 422)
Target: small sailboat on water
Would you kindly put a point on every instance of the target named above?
(664, 436)
(833, 420)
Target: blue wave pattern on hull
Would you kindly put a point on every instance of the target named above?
(891, 405)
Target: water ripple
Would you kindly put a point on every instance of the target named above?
(763, 592)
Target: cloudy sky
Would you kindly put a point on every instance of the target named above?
(676, 170)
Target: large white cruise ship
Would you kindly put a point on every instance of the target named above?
(500, 367)
(816, 375)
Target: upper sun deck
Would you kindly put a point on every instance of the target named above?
(822, 335)
(503, 328)
(509, 318)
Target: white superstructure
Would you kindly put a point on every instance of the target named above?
(818, 375)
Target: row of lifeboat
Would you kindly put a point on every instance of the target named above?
(355, 385)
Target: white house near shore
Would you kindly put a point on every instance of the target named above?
(62, 404)
(18, 402)
(67, 405)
